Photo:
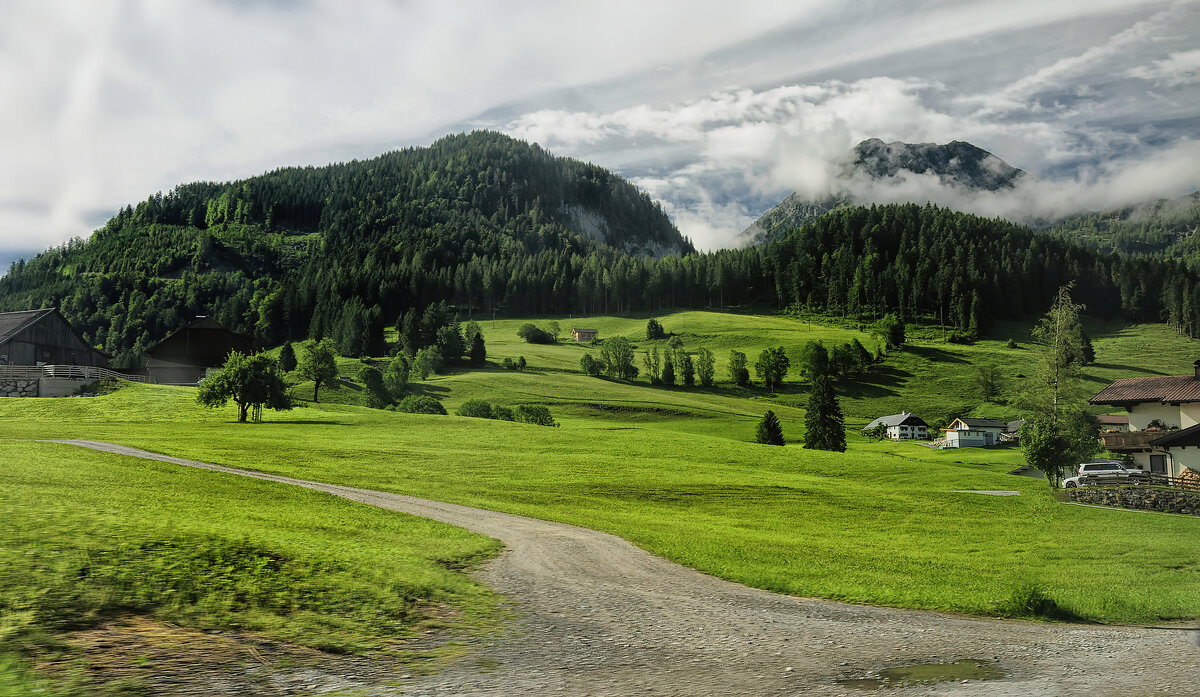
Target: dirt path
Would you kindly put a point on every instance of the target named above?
(598, 616)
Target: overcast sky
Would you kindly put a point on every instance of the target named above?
(718, 109)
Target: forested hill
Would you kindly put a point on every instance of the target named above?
(361, 270)
(475, 212)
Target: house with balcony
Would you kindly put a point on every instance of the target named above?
(974, 433)
(1163, 413)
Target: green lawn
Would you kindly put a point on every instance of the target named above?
(671, 469)
(89, 536)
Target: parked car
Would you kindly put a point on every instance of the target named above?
(1101, 472)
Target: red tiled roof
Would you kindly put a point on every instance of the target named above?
(1170, 388)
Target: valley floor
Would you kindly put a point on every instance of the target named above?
(598, 616)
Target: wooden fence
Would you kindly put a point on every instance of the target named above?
(79, 372)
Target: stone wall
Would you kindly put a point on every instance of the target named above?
(1143, 498)
(11, 387)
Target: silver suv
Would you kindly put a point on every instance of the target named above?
(1100, 472)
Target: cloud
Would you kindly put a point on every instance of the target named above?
(749, 149)
(1178, 69)
(106, 103)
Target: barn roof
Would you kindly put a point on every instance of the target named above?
(896, 420)
(204, 342)
(1163, 388)
(13, 323)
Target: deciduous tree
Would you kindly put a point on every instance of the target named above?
(252, 382)
(318, 363)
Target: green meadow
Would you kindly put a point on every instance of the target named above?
(670, 469)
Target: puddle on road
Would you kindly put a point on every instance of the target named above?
(927, 674)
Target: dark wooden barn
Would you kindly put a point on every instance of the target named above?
(44, 337)
(185, 357)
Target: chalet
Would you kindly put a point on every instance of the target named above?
(188, 355)
(584, 335)
(902, 426)
(973, 433)
(1163, 414)
(44, 337)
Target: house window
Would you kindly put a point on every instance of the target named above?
(1158, 464)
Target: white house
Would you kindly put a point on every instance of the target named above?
(1164, 421)
(974, 433)
(902, 426)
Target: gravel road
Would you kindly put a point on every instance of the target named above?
(599, 616)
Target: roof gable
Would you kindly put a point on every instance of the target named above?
(969, 424)
(901, 419)
(13, 323)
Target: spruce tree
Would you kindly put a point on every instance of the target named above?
(478, 349)
(824, 425)
(287, 358)
(769, 431)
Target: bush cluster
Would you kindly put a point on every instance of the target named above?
(526, 414)
(419, 404)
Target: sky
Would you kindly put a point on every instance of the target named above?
(717, 109)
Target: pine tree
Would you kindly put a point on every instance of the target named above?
(478, 349)
(287, 358)
(769, 431)
(824, 425)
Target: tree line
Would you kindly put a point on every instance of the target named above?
(486, 224)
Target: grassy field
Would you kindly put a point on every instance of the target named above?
(90, 536)
(671, 469)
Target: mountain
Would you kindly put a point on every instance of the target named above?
(957, 163)
(1166, 227)
(481, 219)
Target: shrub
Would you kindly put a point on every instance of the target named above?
(960, 338)
(654, 330)
(476, 408)
(420, 404)
(502, 413)
(1012, 343)
(521, 364)
(532, 414)
(508, 364)
(590, 366)
(1030, 600)
(675, 342)
(531, 334)
(377, 391)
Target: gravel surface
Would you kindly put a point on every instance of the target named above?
(599, 616)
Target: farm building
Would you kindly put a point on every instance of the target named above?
(974, 433)
(185, 357)
(1118, 423)
(1157, 408)
(902, 426)
(44, 337)
(584, 335)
